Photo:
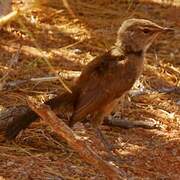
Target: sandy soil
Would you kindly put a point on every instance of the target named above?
(69, 36)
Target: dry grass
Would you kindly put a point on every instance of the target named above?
(69, 37)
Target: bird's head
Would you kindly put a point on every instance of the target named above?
(136, 35)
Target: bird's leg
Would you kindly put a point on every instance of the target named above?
(122, 102)
(107, 145)
(118, 120)
(96, 122)
(105, 142)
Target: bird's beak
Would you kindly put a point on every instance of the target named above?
(162, 30)
(167, 30)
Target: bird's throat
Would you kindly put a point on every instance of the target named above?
(120, 49)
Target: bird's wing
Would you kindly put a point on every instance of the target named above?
(96, 86)
(91, 97)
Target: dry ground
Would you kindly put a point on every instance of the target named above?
(69, 37)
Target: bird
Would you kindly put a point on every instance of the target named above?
(103, 80)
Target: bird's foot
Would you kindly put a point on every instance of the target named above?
(108, 147)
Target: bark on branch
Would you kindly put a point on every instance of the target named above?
(80, 146)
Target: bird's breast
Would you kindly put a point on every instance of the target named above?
(127, 75)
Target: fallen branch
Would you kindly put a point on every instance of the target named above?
(128, 124)
(74, 141)
(66, 75)
(9, 17)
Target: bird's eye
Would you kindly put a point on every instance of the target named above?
(146, 31)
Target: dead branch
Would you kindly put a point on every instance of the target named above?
(66, 75)
(8, 18)
(84, 150)
(128, 124)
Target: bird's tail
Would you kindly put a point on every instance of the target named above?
(16, 119)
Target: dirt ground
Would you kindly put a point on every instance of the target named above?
(69, 36)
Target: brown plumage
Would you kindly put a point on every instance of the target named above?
(104, 80)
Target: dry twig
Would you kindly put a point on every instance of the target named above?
(86, 153)
(9, 17)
